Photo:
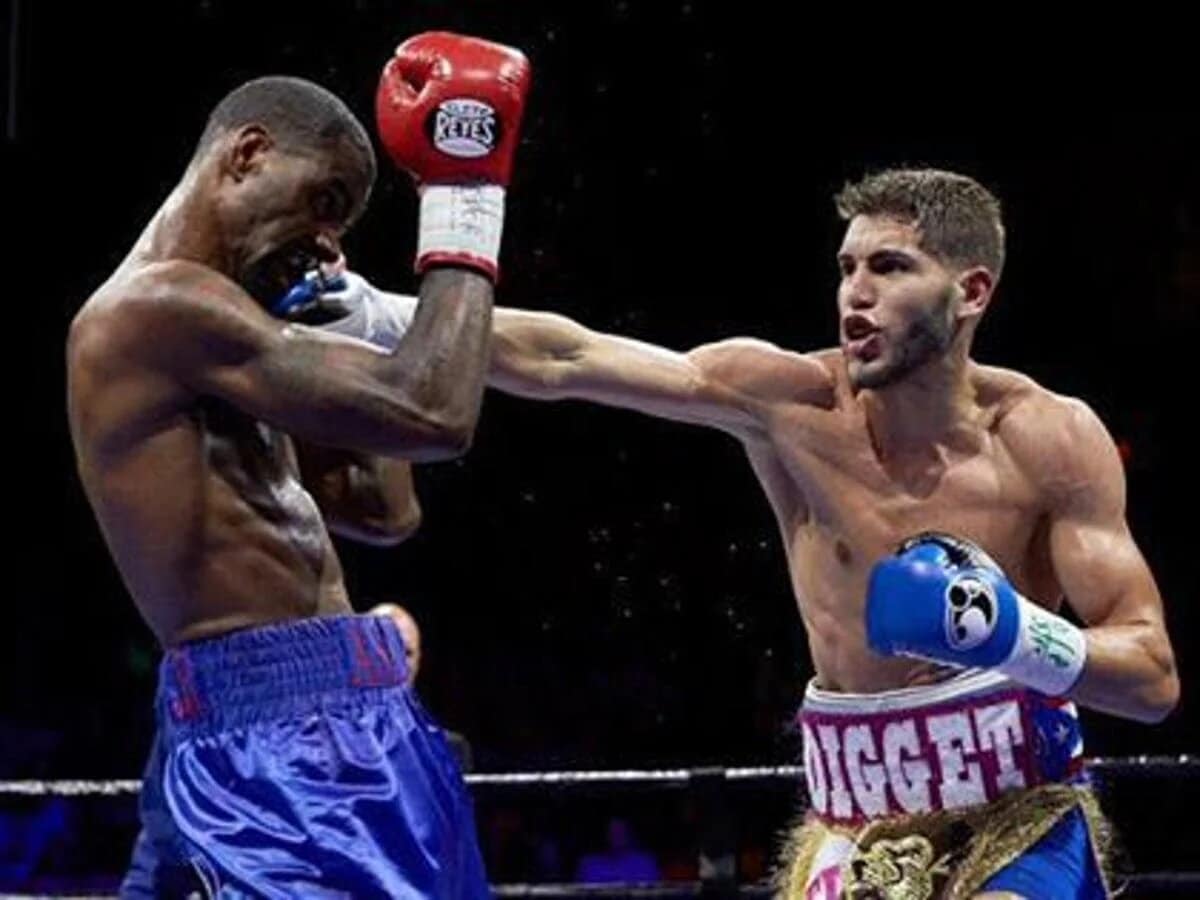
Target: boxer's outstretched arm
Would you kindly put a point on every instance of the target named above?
(1130, 668)
(545, 356)
(420, 401)
(727, 385)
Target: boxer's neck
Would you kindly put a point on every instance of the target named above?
(931, 407)
(187, 226)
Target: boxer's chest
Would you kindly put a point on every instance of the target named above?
(859, 507)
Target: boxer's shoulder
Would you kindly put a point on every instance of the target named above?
(178, 281)
(766, 371)
(152, 306)
(1056, 439)
(146, 288)
(142, 325)
(1010, 404)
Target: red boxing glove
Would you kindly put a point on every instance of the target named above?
(449, 111)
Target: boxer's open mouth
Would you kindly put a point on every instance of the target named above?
(862, 338)
(856, 327)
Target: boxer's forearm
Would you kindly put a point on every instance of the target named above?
(1130, 672)
(534, 353)
(546, 356)
(541, 355)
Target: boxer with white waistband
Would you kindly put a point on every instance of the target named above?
(977, 777)
(863, 448)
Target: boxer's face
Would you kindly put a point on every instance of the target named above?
(895, 302)
(286, 211)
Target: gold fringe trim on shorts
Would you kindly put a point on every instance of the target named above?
(947, 854)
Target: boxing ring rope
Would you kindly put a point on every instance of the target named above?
(708, 779)
(1185, 884)
(619, 891)
(1145, 766)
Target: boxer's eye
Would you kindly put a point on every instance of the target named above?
(325, 206)
(887, 263)
(332, 203)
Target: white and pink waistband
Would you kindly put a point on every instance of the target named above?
(959, 743)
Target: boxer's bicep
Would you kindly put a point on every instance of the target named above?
(761, 373)
(1130, 666)
(549, 357)
(1093, 553)
(319, 387)
(621, 371)
(1102, 571)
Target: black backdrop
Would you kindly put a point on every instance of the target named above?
(598, 588)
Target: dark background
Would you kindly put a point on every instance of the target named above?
(599, 589)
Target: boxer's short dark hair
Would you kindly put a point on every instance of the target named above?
(959, 219)
(297, 113)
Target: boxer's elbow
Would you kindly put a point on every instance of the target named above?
(400, 524)
(377, 534)
(431, 440)
(1159, 699)
(1159, 692)
(388, 530)
(452, 437)
(440, 428)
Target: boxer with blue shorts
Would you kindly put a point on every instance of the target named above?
(292, 757)
(220, 437)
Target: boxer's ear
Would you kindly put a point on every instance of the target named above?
(974, 288)
(247, 147)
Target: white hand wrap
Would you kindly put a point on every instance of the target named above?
(1049, 653)
(461, 224)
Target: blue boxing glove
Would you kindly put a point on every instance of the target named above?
(348, 304)
(303, 301)
(942, 598)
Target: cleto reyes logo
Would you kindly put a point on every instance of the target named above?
(464, 128)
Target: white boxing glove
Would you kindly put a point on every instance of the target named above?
(371, 315)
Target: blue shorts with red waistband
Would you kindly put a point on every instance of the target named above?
(293, 761)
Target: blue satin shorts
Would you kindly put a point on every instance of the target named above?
(1061, 866)
(292, 761)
